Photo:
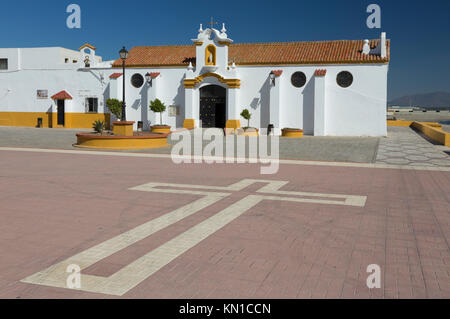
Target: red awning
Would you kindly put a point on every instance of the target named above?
(63, 95)
(115, 75)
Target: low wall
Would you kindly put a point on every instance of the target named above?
(72, 120)
(434, 132)
(25, 119)
(410, 123)
(400, 123)
(83, 120)
(111, 142)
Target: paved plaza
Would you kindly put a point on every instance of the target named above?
(139, 226)
(404, 146)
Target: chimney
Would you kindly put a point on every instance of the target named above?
(383, 45)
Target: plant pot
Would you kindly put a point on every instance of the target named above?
(123, 128)
(292, 133)
(250, 131)
(161, 129)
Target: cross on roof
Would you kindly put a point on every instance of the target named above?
(212, 23)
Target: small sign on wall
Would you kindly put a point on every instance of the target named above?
(42, 94)
(174, 111)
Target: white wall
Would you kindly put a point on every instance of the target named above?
(169, 89)
(32, 69)
(359, 110)
(18, 90)
(13, 56)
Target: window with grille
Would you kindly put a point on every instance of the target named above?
(92, 105)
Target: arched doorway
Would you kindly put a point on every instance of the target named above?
(213, 112)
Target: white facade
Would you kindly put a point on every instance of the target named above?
(34, 75)
(320, 107)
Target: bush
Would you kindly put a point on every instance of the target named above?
(99, 126)
(247, 115)
(115, 107)
(158, 107)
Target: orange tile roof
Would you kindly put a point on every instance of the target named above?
(87, 45)
(320, 72)
(294, 53)
(63, 95)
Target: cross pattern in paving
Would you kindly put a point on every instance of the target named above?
(406, 147)
(134, 273)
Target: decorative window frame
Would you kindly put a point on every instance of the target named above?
(342, 86)
(210, 50)
(292, 79)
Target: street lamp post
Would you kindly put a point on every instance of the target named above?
(124, 56)
(272, 78)
(148, 78)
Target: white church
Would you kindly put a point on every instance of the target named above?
(326, 88)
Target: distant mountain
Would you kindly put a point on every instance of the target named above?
(428, 100)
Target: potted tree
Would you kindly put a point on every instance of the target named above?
(119, 128)
(249, 131)
(292, 132)
(115, 107)
(158, 107)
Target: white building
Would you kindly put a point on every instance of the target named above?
(329, 88)
(62, 87)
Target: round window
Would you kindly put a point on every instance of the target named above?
(344, 79)
(298, 79)
(137, 80)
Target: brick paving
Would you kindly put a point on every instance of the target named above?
(54, 206)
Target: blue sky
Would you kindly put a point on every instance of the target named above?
(419, 30)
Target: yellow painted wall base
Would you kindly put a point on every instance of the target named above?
(189, 124)
(49, 119)
(86, 120)
(26, 119)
